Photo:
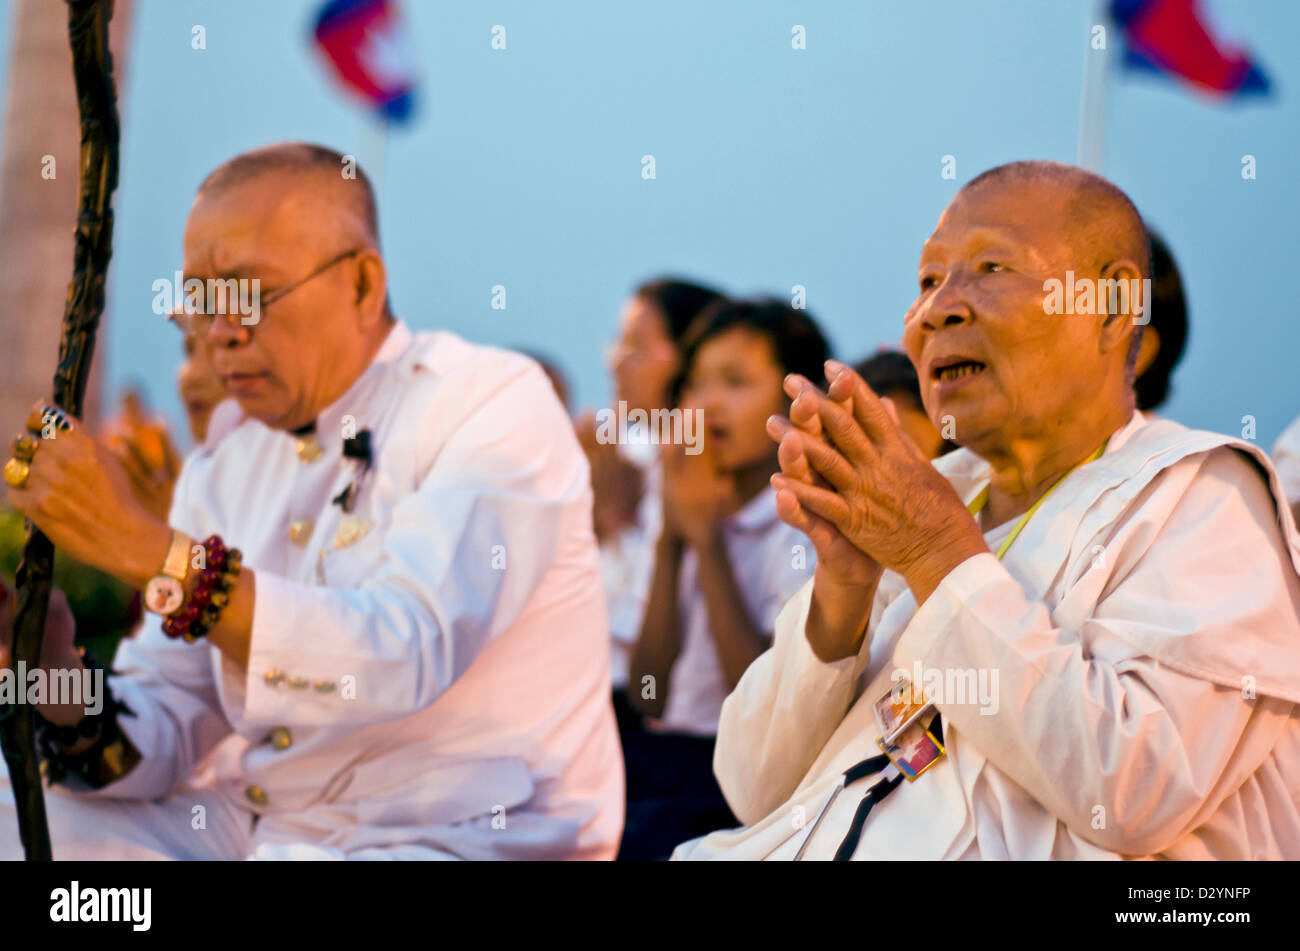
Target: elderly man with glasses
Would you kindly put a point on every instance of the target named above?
(379, 630)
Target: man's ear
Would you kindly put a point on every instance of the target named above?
(371, 287)
(1127, 279)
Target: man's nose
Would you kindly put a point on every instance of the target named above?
(948, 306)
(227, 331)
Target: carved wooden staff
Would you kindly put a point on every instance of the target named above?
(97, 103)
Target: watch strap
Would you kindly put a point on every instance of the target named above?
(178, 556)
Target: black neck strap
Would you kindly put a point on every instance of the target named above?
(869, 767)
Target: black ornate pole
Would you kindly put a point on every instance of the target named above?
(92, 66)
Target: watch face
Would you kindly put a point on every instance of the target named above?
(164, 595)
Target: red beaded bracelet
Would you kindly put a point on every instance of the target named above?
(211, 594)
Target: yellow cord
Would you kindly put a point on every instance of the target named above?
(978, 503)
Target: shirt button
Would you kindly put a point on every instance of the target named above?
(308, 449)
(281, 738)
(300, 530)
(256, 795)
(274, 677)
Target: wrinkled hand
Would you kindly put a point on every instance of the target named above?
(697, 495)
(616, 484)
(79, 495)
(839, 561)
(845, 577)
(872, 484)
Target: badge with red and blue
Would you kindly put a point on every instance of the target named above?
(366, 43)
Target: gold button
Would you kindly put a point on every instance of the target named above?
(256, 795)
(308, 449)
(275, 677)
(300, 530)
(281, 738)
(299, 683)
(324, 686)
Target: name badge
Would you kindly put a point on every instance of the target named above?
(899, 709)
(915, 751)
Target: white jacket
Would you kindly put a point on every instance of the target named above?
(442, 676)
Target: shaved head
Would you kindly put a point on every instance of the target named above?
(996, 353)
(1102, 223)
(317, 170)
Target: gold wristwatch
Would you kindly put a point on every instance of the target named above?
(165, 592)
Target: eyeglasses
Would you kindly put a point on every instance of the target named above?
(189, 323)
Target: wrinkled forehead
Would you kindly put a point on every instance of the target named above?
(1029, 217)
(255, 225)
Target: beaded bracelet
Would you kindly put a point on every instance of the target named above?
(109, 758)
(202, 609)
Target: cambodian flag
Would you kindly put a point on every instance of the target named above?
(1170, 36)
(365, 43)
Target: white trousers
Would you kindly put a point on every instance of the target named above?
(197, 825)
(191, 825)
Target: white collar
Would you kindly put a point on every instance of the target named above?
(329, 423)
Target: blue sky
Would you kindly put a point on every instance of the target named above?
(775, 167)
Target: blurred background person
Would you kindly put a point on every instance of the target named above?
(645, 361)
(142, 442)
(724, 565)
(890, 375)
(1165, 337)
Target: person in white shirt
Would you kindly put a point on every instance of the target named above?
(143, 445)
(625, 472)
(413, 660)
(1103, 661)
(724, 564)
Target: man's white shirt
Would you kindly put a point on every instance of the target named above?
(430, 669)
(1144, 631)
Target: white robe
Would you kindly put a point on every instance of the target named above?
(452, 663)
(1145, 632)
